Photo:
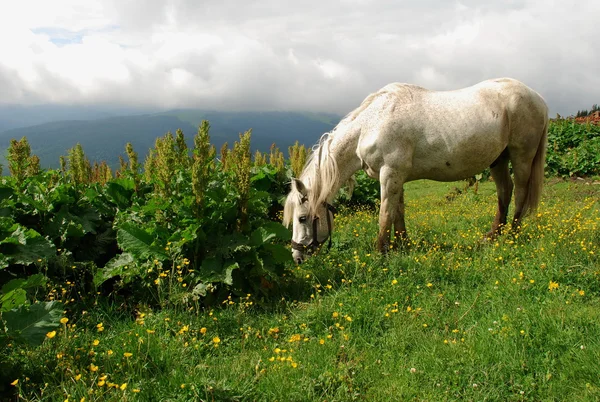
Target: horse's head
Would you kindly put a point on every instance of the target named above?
(311, 226)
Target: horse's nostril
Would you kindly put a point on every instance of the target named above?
(298, 260)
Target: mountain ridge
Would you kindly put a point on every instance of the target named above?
(105, 138)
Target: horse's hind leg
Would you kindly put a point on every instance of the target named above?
(522, 172)
(504, 188)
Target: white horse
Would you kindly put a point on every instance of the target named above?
(404, 132)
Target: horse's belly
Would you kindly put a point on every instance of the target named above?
(458, 161)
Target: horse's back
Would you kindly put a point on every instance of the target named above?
(448, 135)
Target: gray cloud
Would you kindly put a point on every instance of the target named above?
(314, 55)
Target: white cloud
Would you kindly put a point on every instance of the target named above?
(312, 55)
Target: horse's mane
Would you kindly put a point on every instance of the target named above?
(320, 174)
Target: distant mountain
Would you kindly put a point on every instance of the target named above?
(105, 138)
(17, 116)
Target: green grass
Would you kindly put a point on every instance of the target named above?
(451, 318)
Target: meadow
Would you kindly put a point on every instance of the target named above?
(449, 318)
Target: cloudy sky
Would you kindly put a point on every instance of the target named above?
(302, 55)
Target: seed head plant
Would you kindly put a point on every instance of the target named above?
(241, 163)
(224, 156)
(133, 165)
(260, 159)
(79, 166)
(203, 163)
(165, 162)
(297, 158)
(181, 149)
(20, 160)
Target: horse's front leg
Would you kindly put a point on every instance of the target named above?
(400, 236)
(391, 211)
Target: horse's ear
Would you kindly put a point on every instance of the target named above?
(299, 186)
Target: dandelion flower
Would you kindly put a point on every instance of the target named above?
(216, 340)
(51, 334)
(552, 285)
(96, 342)
(127, 354)
(15, 382)
(123, 386)
(64, 320)
(203, 330)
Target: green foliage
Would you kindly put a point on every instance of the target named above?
(366, 192)
(573, 149)
(31, 323)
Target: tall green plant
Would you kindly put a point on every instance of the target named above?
(165, 163)
(79, 165)
(20, 162)
(203, 163)
(181, 149)
(241, 162)
(298, 155)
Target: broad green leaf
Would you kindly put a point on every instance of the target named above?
(278, 229)
(213, 270)
(26, 246)
(260, 236)
(227, 273)
(280, 254)
(32, 323)
(13, 299)
(33, 281)
(113, 268)
(138, 242)
(118, 194)
(200, 289)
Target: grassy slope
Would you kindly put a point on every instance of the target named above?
(451, 319)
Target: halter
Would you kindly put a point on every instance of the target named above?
(315, 243)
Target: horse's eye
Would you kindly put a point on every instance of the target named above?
(302, 219)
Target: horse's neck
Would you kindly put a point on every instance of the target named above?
(343, 150)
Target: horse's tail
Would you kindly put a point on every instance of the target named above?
(536, 178)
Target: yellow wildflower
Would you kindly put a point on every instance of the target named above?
(51, 334)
